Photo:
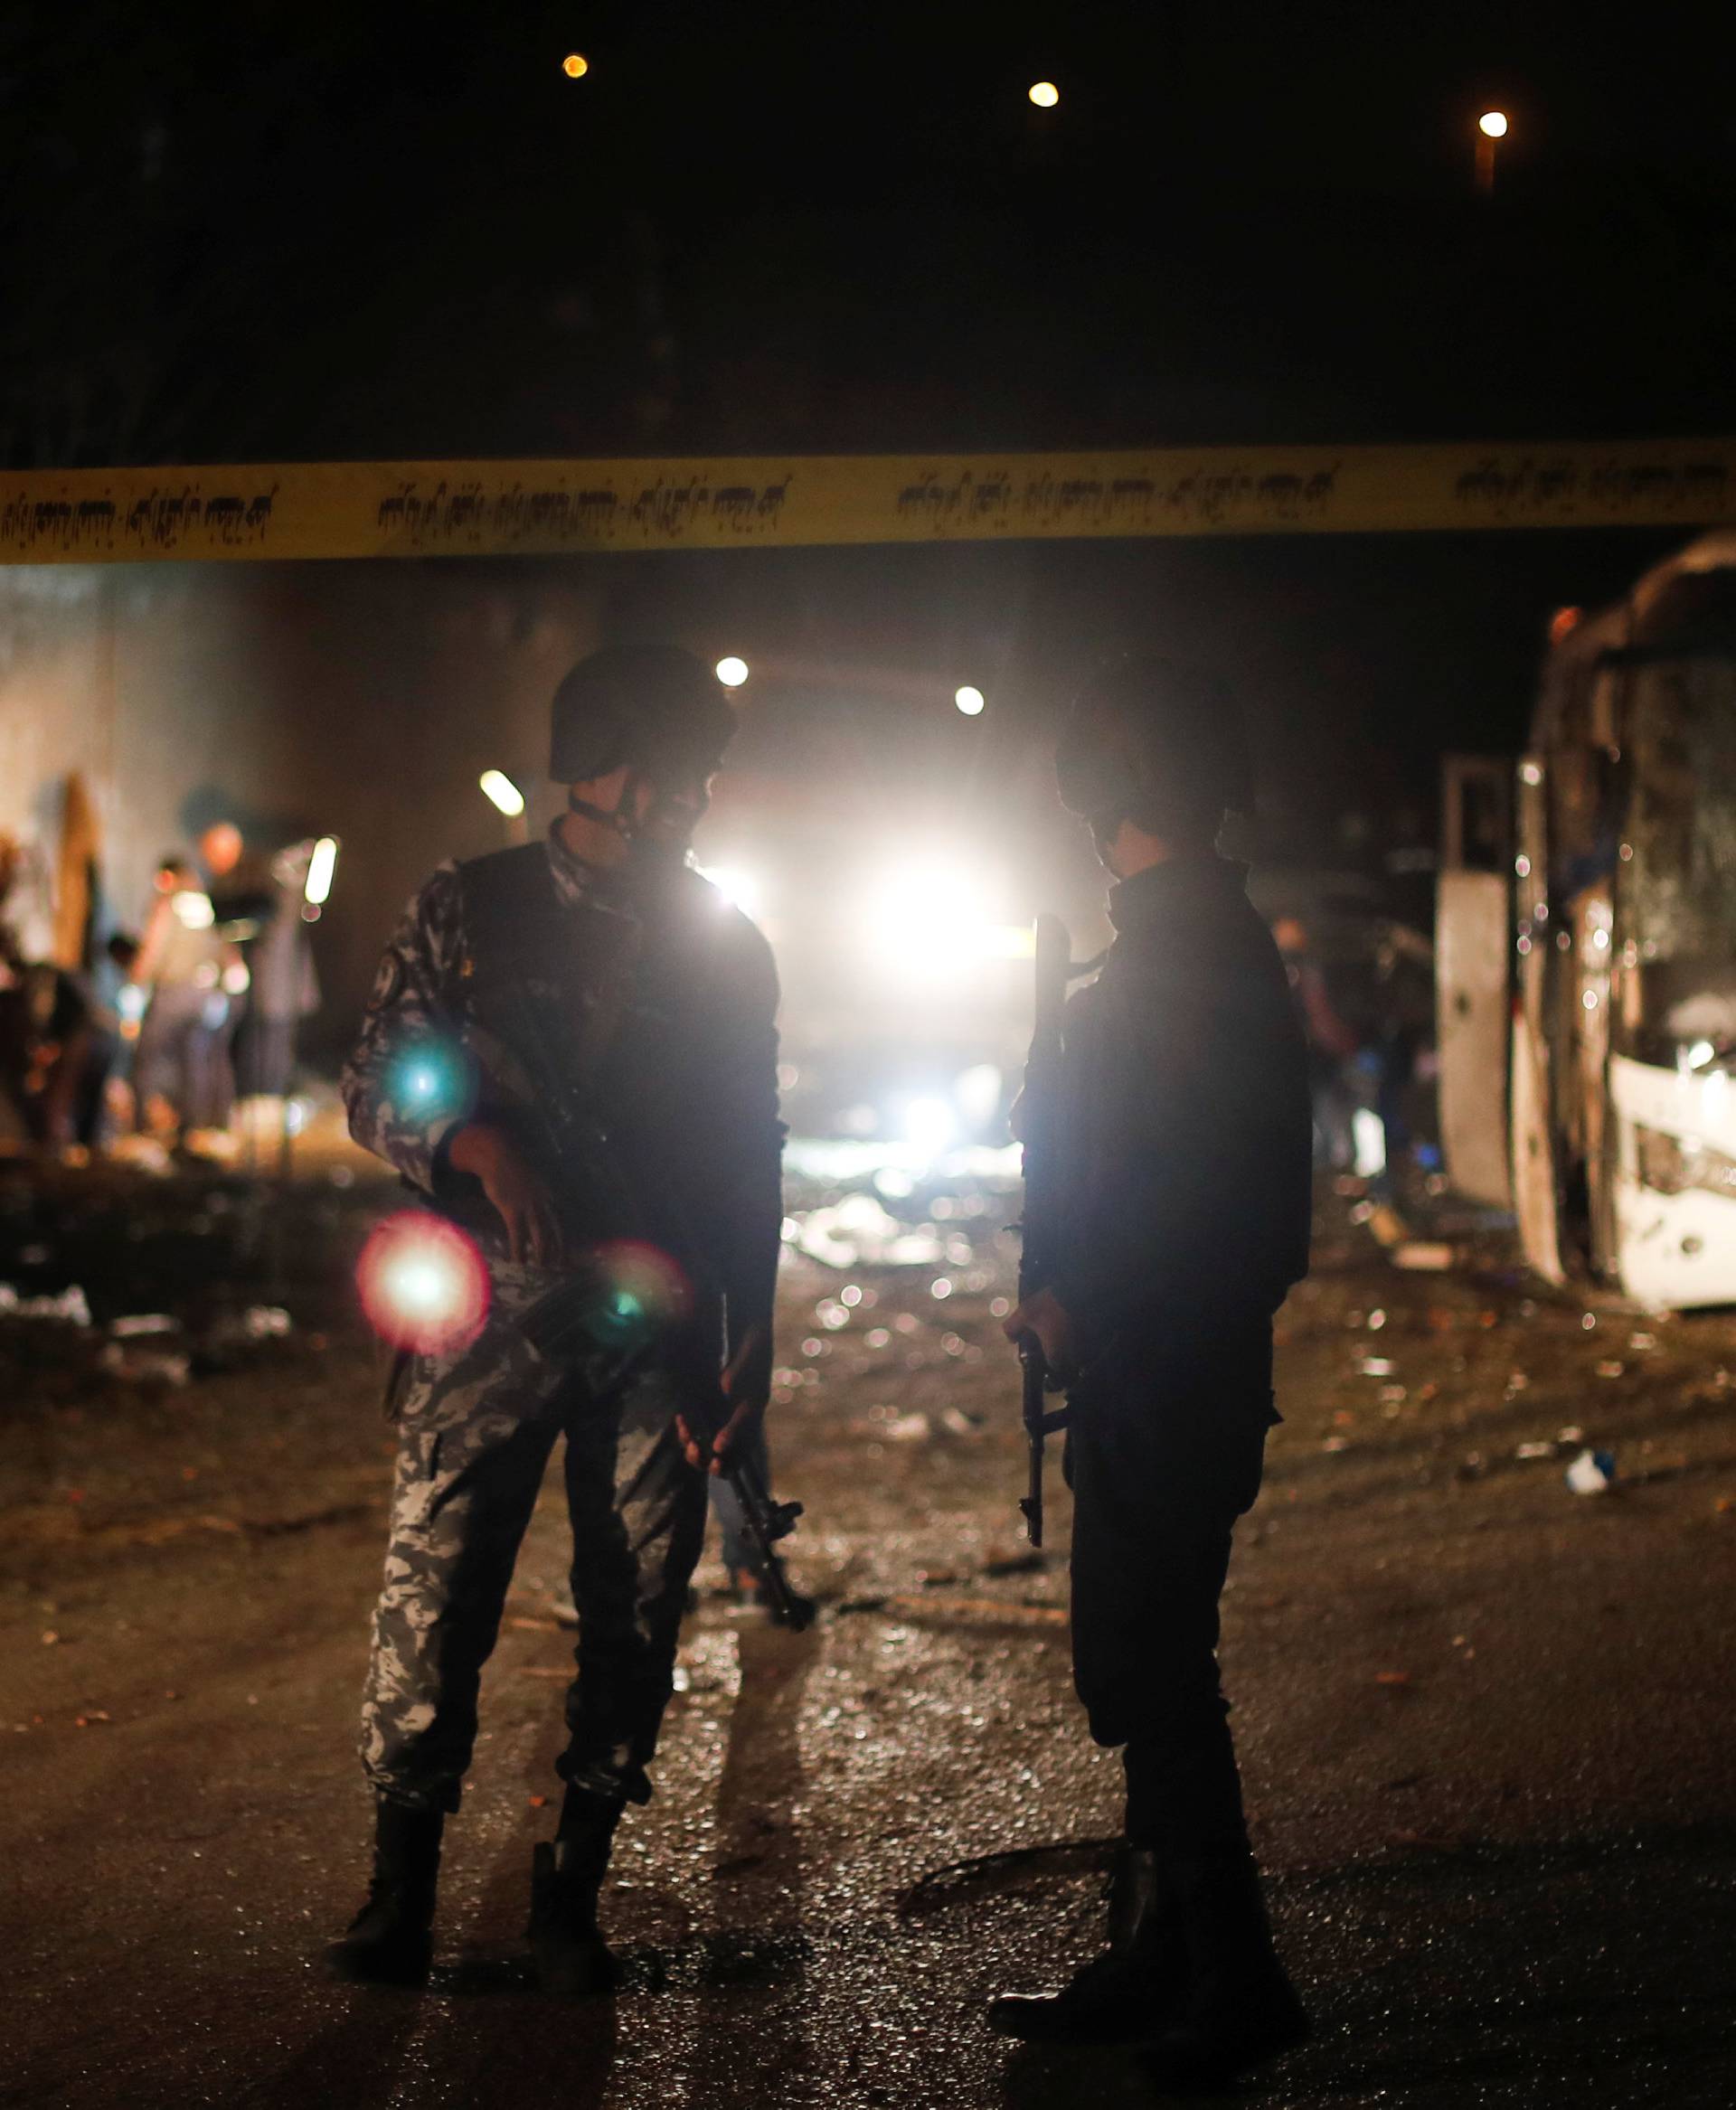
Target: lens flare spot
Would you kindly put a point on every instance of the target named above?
(422, 1282)
(644, 1293)
(429, 1079)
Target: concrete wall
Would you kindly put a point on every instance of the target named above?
(360, 701)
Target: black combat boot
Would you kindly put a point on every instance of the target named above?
(390, 1940)
(566, 1881)
(1126, 1994)
(1238, 2006)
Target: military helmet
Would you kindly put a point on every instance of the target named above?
(651, 707)
(1156, 742)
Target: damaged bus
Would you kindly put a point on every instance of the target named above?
(1587, 948)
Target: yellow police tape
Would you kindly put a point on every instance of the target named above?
(546, 508)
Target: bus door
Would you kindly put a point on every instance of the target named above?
(1472, 935)
(1536, 1196)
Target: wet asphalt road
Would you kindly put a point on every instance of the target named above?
(1486, 1726)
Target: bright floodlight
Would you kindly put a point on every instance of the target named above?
(1493, 125)
(732, 671)
(971, 702)
(927, 921)
(499, 790)
(1044, 94)
(929, 1124)
(321, 865)
(575, 66)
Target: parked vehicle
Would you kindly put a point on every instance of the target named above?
(1586, 948)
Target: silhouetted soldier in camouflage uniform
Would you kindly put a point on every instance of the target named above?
(659, 998)
(1185, 1142)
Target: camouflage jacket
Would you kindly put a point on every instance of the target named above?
(685, 1085)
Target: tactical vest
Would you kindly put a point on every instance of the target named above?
(584, 1022)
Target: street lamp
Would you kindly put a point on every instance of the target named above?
(1490, 126)
(731, 671)
(575, 65)
(1044, 94)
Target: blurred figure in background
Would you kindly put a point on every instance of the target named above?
(48, 1036)
(256, 901)
(45, 1036)
(183, 1082)
(1403, 1046)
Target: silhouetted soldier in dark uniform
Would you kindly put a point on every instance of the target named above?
(658, 999)
(1184, 1137)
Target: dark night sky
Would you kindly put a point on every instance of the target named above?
(270, 232)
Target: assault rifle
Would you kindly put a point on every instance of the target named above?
(1039, 1131)
(580, 1318)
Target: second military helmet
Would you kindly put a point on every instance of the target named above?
(648, 707)
(1156, 742)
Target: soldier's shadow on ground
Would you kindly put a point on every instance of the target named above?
(724, 1957)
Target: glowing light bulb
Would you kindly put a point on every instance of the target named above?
(1493, 125)
(501, 792)
(575, 66)
(732, 671)
(321, 865)
(971, 702)
(1044, 94)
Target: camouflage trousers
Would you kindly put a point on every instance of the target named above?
(475, 1434)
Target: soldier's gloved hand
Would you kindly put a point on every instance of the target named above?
(518, 1194)
(1050, 1325)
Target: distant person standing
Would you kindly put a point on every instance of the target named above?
(44, 1029)
(256, 903)
(46, 1039)
(182, 1083)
